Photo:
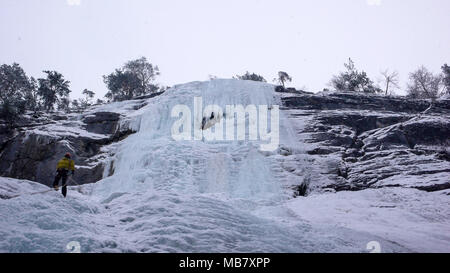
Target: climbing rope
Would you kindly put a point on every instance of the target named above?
(42, 192)
(70, 178)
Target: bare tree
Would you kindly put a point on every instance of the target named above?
(424, 84)
(390, 79)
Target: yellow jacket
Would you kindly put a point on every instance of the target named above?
(67, 164)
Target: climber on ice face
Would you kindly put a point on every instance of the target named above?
(204, 120)
(63, 167)
(210, 123)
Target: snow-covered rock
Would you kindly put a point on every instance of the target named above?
(32, 150)
(360, 140)
(345, 174)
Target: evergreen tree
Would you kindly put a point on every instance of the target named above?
(283, 77)
(32, 98)
(75, 105)
(250, 77)
(353, 80)
(52, 89)
(146, 74)
(14, 87)
(135, 78)
(122, 85)
(64, 103)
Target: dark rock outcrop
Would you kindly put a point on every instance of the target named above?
(32, 154)
(370, 141)
(32, 147)
(355, 101)
(102, 122)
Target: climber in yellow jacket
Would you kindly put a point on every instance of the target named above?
(62, 170)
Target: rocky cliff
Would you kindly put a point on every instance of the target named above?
(32, 149)
(362, 141)
(355, 141)
(350, 169)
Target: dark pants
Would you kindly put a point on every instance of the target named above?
(61, 174)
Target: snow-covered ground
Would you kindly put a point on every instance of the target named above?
(414, 219)
(202, 196)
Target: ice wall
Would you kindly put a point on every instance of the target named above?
(152, 160)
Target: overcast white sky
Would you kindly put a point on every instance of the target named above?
(189, 40)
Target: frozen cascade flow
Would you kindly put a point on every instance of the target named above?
(151, 159)
(180, 196)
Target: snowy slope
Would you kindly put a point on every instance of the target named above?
(199, 196)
